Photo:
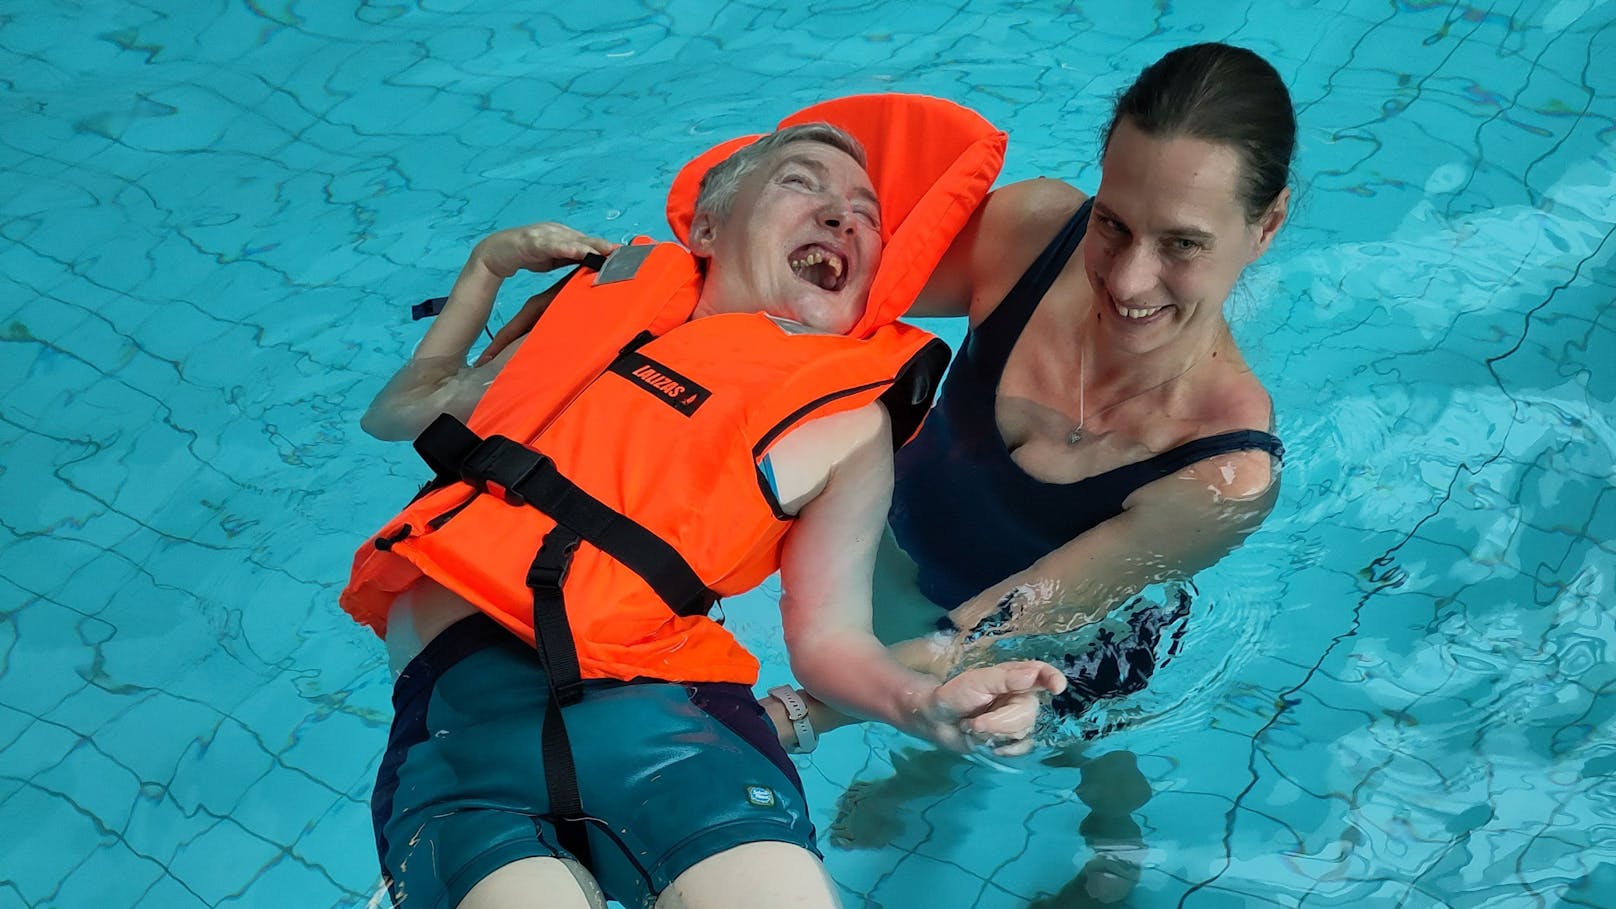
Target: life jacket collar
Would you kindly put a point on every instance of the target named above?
(931, 162)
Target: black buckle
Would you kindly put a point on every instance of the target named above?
(549, 568)
(539, 462)
(479, 464)
(547, 577)
(494, 459)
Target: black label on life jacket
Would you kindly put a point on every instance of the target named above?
(672, 389)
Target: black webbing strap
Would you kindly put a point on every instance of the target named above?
(530, 478)
(553, 637)
(550, 625)
(454, 452)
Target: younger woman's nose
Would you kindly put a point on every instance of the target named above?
(1132, 272)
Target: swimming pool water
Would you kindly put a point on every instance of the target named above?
(1400, 692)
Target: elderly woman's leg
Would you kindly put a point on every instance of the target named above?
(536, 883)
(777, 875)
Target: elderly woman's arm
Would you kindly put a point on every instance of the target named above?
(825, 568)
(1170, 529)
(436, 379)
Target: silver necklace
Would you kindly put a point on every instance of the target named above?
(1076, 435)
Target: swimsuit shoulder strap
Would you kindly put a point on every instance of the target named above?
(992, 341)
(1194, 451)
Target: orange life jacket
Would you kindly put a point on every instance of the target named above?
(652, 426)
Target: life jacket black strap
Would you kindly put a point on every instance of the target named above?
(553, 637)
(527, 477)
(550, 625)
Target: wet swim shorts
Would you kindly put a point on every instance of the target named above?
(1108, 665)
(675, 773)
(1111, 665)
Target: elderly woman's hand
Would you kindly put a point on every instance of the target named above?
(992, 706)
(537, 247)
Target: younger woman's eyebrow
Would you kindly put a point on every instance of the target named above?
(1185, 232)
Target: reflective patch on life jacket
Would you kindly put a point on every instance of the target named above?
(624, 263)
(669, 387)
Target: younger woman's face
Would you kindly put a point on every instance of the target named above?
(1168, 237)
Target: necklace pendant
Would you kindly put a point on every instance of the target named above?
(1075, 436)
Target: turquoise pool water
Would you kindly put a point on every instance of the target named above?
(1399, 693)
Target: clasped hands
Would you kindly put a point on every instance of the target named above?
(994, 707)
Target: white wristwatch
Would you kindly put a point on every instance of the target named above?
(797, 713)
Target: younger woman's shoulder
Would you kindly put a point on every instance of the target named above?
(1240, 403)
(1016, 223)
(1032, 209)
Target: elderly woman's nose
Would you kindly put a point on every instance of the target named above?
(837, 214)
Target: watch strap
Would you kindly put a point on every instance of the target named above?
(797, 713)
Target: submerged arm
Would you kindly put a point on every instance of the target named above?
(1169, 529)
(1172, 529)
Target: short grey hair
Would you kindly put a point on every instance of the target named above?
(719, 185)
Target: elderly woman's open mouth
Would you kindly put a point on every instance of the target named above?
(820, 266)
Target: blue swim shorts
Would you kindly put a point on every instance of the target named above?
(672, 773)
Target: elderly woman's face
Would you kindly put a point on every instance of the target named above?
(801, 241)
(1168, 236)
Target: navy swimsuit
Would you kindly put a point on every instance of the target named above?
(966, 512)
